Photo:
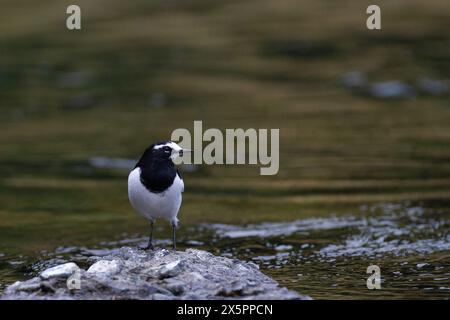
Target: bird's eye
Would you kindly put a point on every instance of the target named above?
(167, 150)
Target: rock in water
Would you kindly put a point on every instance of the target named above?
(391, 90)
(129, 273)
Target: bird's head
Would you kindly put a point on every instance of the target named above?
(168, 150)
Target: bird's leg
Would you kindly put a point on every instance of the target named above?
(150, 238)
(174, 228)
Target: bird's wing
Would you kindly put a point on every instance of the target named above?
(182, 182)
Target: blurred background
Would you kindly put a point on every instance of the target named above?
(364, 120)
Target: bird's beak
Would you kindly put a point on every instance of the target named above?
(182, 151)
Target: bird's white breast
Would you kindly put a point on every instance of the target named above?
(155, 205)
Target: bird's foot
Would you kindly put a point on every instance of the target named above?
(147, 247)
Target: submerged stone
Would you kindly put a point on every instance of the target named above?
(391, 89)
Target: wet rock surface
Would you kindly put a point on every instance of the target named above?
(391, 89)
(359, 83)
(128, 273)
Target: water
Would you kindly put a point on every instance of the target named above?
(328, 257)
(323, 257)
(69, 127)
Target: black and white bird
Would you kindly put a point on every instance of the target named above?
(155, 185)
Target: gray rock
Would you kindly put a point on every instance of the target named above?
(421, 265)
(283, 247)
(171, 269)
(129, 273)
(108, 267)
(31, 285)
(391, 89)
(354, 80)
(63, 270)
(433, 86)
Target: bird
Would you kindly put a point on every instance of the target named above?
(155, 186)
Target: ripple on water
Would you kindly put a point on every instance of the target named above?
(410, 244)
(394, 232)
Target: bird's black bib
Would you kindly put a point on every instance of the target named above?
(157, 173)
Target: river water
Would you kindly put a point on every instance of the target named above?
(323, 257)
